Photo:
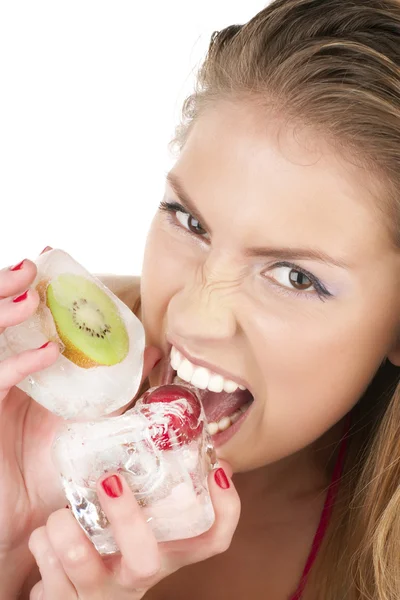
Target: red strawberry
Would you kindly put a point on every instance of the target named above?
(176, 425)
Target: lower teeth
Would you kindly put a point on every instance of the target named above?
(225, 422)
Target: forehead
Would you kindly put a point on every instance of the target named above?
(269, 177)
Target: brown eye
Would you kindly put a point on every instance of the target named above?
(299, 281)
(194, 226)
(190, 223)
(296, 280)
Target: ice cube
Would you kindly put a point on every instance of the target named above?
(163, 451)
(102, 342)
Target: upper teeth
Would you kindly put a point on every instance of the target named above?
(201, 377)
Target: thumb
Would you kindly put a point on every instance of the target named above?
(151, 358)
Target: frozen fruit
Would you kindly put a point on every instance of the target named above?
(87, 322)
(179, 422)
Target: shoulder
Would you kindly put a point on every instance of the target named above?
(125, 287)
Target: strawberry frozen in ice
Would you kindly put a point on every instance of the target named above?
(162, 448)
(179, 422)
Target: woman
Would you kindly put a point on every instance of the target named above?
(273, 264)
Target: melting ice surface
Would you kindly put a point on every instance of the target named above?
(170, 485)
(68, 390)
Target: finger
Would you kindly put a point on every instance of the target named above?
(226, 467)
(37, 592)
(226, 503)
(46, 249)
(77, 555)
(54, 579)
(15, 369)
(216, 540)
(16, 309)
(152, 357)
(140, 561)
(17, 278)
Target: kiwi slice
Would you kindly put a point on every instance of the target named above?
(87, 321)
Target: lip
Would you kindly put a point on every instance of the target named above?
(219, 439)
(199, 362)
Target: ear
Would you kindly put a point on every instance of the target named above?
(394, 354)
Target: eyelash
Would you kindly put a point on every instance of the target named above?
(173, 207)
(321, 290)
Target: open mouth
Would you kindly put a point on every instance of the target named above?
(224, 400)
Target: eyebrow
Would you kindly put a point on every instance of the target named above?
(285, 253)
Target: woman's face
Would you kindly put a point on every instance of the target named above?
(273, 266)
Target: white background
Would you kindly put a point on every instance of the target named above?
(90, 93)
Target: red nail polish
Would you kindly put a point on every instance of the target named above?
(22, 297)
(17, 267)
(221, 479)
(112, 486)
(44, 346)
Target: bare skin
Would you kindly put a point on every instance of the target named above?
(273, 538)
(308, 361)
(307, 336)
(202, 294)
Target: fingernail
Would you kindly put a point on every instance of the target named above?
(46, 249)
(221, 479)
(17, 267)
(21, 297)
(112, 486)
(44, 346)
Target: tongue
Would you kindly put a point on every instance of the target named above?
(216, 404)
(222, 404)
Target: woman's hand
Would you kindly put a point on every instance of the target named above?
(27, 493)
(71, 568)
(30, 489)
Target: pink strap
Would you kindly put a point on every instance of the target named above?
(326, 513)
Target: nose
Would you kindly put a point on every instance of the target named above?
(203, 309)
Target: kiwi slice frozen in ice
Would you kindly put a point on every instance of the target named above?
(87, 321)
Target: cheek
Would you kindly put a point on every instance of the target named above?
(313, 372)
(166, 267)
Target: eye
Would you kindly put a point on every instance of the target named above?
(295, 279)
(186, 221)
(290, 277)
(190, 223)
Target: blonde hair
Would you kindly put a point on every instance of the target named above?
(334, 66)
